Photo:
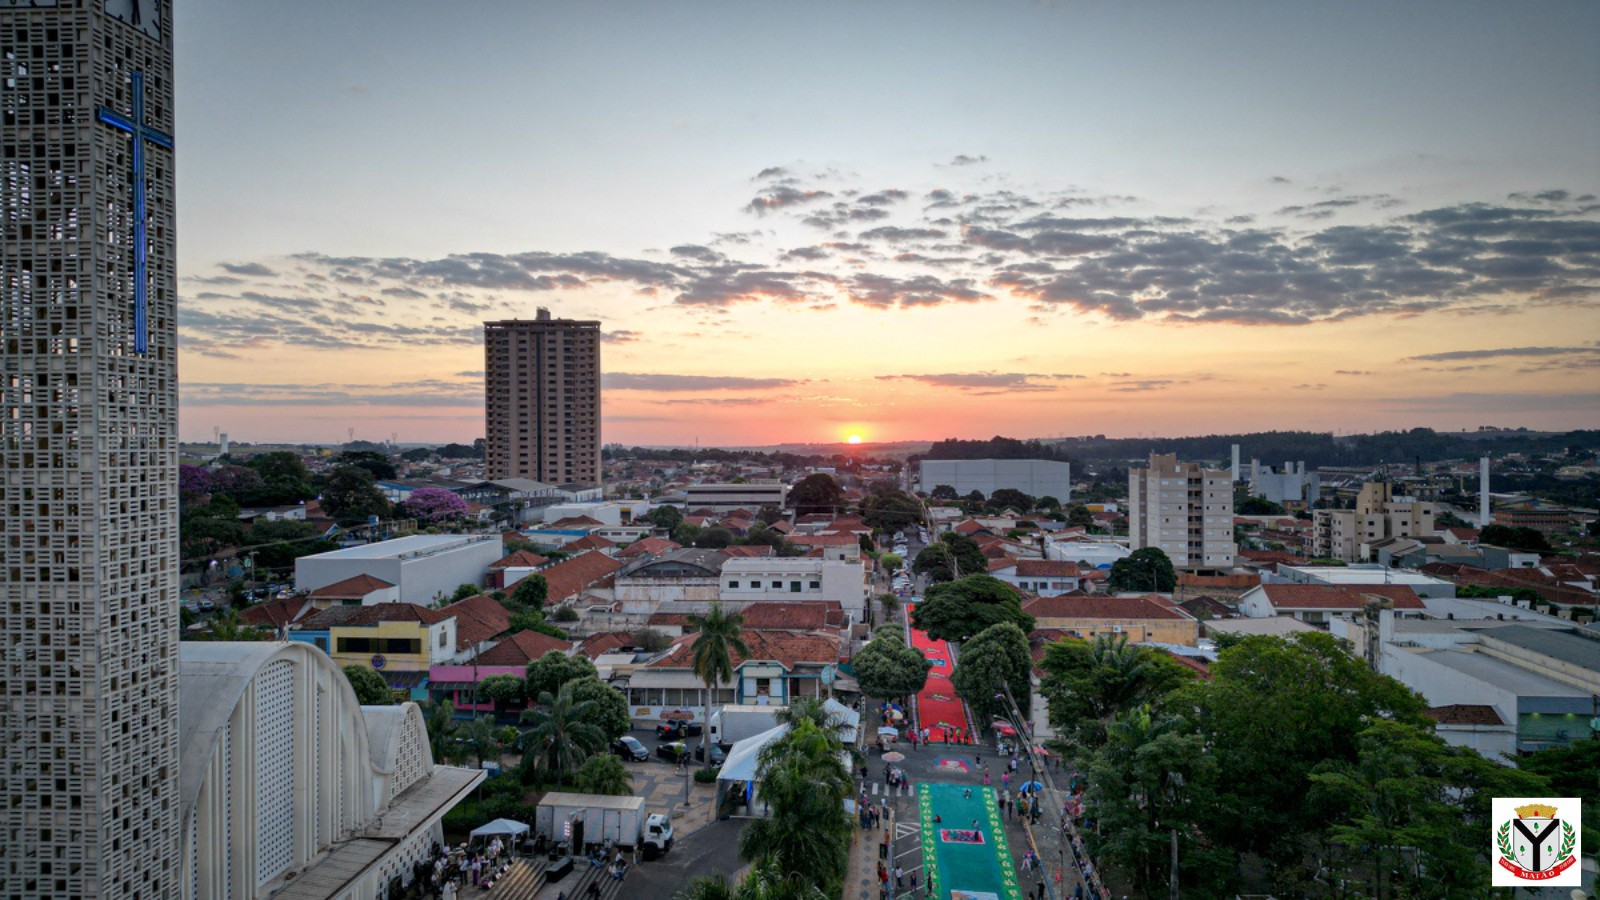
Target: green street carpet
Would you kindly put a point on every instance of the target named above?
(955, 867)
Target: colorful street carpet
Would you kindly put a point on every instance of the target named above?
(965, 855)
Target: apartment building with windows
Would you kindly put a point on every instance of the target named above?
(1347, 534)
(1184, 509)
(542, 399)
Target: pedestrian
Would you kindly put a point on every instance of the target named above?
(967, 794)
(1040, 893)
(899, 876)
(913, 882)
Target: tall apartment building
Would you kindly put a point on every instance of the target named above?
(1344, 534)
(1184, 509)
(542, 399)
(88, 452)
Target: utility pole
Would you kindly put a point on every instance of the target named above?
(1174, 876)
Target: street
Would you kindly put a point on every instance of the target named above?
(711, 850)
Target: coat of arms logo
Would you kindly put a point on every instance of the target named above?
(1538, 844)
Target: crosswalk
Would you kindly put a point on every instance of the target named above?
(872, 790)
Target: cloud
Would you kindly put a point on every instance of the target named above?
(882, 198)
(963, 159)
(772, 172)
(619, 336)
(1450, 355)
(884, 291)
(697, 252)
(247, 268)
(650, 381)
(1144, 384)
(895, 234)
(414, 394)
(1352, 372)
(984, 384)
(718, 401)
(782, 197)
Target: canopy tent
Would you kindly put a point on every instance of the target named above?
(849, 720)
(500, 828)
(737, 781)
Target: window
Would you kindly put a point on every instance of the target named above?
(794, 587)
(763, 685)
(816, 585)
(441, 637)
(777, 585)
(733, 585)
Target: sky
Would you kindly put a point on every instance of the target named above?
(896, 221)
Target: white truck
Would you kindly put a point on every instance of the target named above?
(732, 724)
(581, 819)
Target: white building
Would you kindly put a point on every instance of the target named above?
(1044, 577)
(1290, 486)
(1364, 575)
(1092, 554)
(1034, 477)
(728, 497)
(290, 789)
(89, 451)
(606, 512)
(1348, 534)
(791, 578)
(1184, 509)
(425, 567)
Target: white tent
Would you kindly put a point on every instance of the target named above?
(509, 828)
(849, 720)
(744, 758)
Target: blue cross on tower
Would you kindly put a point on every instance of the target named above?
(141, 249)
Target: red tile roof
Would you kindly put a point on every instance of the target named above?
(1046, 568)
(1085, 606)
(790, 648)
(588, 542)
(522, 648)
(806, 616)
(335, 616)
(605, 642)
(352, 588)
(970, 527)
(575, 522)
(278, 613)
(651, 545)
(478, 618)
(520, 559)
(1230, 580)
(782, 526)
(1464, 714)
(1338, 596)
(747, 550)
(570, 577)
(826, 540)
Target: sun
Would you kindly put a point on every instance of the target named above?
(854, 439)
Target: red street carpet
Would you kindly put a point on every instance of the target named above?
(937, 705)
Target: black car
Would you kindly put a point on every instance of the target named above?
(717, 754)
(629, 747)
(674, 751)
(677, 729)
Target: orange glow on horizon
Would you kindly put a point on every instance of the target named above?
(855, 439)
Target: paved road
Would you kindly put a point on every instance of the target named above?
(711, 850)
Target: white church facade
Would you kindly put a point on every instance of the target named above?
(290, 788)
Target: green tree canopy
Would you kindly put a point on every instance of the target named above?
(370, 688)
(505, 691)
(952, 553)
(548, 673)
(603, 773)
(1514, 538)
(942, 492)
(608, 709)
(890, 511)
(817, 493)
(995, 658)
(1146, 570)
(350, 495)
(957, 610)
(714, 538)
(1079, 516)
(561, 736)
(806, 839)
(1009, 498)
(887, 668)
(1088, 683)
(666, 518)
(529, 594)
(378, 464)
(717, 638)
(283, 478)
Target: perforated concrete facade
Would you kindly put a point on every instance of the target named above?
(88, 444)
(542, 399)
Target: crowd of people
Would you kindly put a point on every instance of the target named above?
(449, 871)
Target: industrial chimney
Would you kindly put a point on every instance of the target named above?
(1483, 491)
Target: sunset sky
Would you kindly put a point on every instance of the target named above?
(904, 221)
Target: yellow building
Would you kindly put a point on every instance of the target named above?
(1146, 618)
(387, 637)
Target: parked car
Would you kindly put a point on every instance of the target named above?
(718, 755)
(673, 751)
(628, 747)
(207, 605)
(677, 729)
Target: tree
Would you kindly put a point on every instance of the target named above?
(603, 773)
(529, 594)
(281, 477)
(889, 604)
(887, 668)
(229, 626)
(957, 610)
(463, 591)
(1146, 570)
(561, 735)
(942, 492)
(435, 505)
(1079, 516)
(608, 709)
(1089, 683)
(440, 720)
(666, 518)
(194, 483)
(417, 454)
(1009, 498)
(350, 495)
(1048, 504)
(379, 465)
(952, 555)
(891, 561)
(890, 511)
(651, 640)
(817, 493)
(714, 538)
(370, 688)
(717, 641)
(1317, 697)
(806, 839)
(504, 691)
(769, 515)
(994, 659)
(479, 738)
(1514, 538)
(548, 673)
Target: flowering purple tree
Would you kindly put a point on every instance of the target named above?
(235, 481)
(193, 482)
(435, 504)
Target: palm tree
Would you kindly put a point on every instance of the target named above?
(709, 887)
(442, 727)
(806, 839)
(713, 649)
(806, 709)
(480, 738)
(229, 626)
(561, 735)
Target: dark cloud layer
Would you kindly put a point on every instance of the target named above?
(651, 381)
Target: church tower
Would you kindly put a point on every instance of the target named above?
(88, 451)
